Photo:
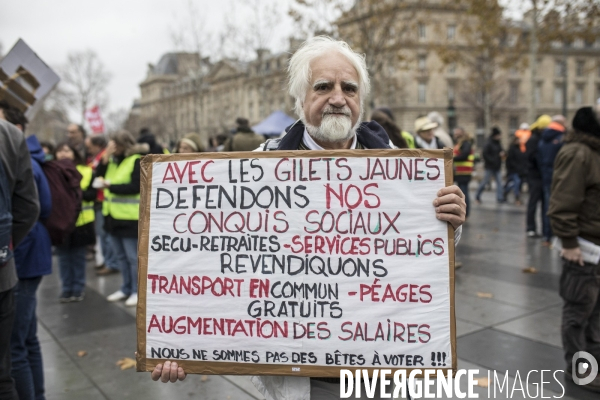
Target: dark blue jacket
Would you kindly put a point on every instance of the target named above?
(33, 255)
(550, 143)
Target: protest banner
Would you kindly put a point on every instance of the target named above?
(25, 80)
(94, 118)
(295, 262)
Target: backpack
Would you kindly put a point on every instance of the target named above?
(5, 218)
(64, 181)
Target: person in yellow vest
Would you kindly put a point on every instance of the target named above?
(71, 255)
(119, 175)
(464, 159)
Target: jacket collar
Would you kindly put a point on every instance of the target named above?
(370, 134)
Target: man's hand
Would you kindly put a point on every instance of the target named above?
(450, 206)
(573, 255)
(170, 372)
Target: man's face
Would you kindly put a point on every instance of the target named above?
(458, 133)
(332, 101)
(74, 136)
(427, 135)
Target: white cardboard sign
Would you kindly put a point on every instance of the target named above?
(300, 263)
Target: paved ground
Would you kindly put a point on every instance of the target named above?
(516, 330)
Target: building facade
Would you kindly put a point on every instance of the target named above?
(184, 93)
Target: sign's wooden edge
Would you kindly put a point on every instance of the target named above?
(145, 364)
(449, 174)
(298, 154)
(143, 242)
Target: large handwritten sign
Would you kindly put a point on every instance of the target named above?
(295, 263)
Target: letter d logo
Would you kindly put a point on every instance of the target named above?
(581, 367)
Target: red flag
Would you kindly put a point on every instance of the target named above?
(94, 118)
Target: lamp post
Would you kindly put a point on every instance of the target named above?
(451, 112)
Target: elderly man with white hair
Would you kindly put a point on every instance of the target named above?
(329, 83)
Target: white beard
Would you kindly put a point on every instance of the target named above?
(333, 128)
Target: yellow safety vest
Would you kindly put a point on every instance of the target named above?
(463, 167)
(87, 207)
(118, 206)
(410, 140)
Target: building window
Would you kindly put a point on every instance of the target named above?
(513, 95)
(537, 94)
(558, 94)
(452, 68)
(558, 68)
(422, 30)
(513, 123)
(451, 32)
(422, 63)
(579, 94)
(391, 69)
(422, 92)
(580, 68)
(391, 34)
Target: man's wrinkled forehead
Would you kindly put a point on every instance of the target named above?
(332, 67)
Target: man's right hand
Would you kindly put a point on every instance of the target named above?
(169, 372)
(573, 255)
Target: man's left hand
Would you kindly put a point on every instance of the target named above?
(450, 206)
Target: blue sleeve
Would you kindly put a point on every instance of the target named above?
(44, 195)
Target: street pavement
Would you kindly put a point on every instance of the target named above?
(508, 321)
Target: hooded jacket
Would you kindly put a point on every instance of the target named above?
(516, 161)
(150, 140)
(33, 256)
(370, 135)
(550, 143)
(574, 204)
(491, 155)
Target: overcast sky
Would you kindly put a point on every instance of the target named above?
(126, 34)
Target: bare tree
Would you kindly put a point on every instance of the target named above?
(250, 27)
(115, 120)
(191, 34)
(84, 80)
(318, 16)
(379, 29)
(559, 22)
(489, 46)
